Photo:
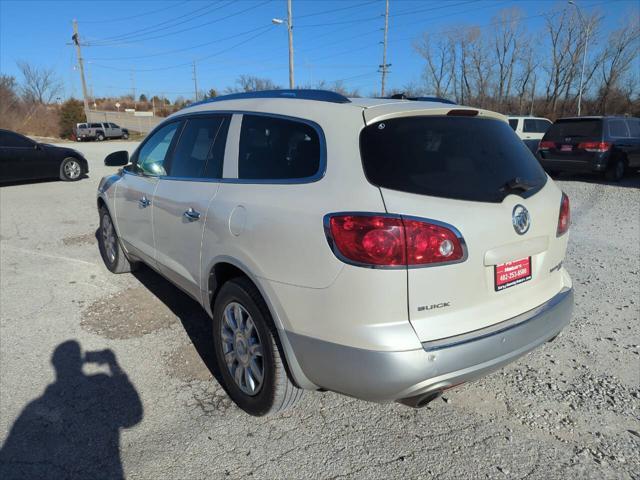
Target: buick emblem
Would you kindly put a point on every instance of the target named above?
(521, 219)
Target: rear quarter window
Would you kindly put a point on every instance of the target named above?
(452, 157)
(618, 128)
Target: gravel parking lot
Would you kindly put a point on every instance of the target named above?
(571, 409)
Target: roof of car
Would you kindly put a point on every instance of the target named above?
(297, 103)
(528, 117)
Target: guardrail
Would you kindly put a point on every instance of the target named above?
(133, 122)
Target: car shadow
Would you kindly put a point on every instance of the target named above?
(196, 322)
(73, 429)
(631, 179)
(37, 181)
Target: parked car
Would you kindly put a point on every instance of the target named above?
(353, 245)
(24, 159)
(530, 129)
(100, 131)
(607, 145)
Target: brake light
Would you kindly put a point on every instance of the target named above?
(595, 146)
(546, 145)
(564, 218)
(391, 241)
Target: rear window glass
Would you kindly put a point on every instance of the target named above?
(574, 128)
(452, 157)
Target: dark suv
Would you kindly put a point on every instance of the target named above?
(592, 144)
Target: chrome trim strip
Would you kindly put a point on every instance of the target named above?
(498, 328)
(338, 254)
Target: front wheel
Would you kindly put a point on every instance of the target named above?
(247, 352)
(112, 254)
(70, 170)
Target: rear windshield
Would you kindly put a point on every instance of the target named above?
(574, 128)
(453, 157)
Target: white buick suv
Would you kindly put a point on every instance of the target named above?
(383, 249)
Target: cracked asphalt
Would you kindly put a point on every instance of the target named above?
(152, 407)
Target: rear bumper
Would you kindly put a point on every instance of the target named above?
(585, 164)
(388, 376)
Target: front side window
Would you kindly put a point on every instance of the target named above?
(153, 153)
(618, 128)
(277, 149)
(199, 152)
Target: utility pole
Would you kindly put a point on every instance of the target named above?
(290, 28)
(586, 28)
(195, 80)
(133, 86)
(384, 68)
(76, 41)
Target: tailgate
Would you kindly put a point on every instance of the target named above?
(453, 299)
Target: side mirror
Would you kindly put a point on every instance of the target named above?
(117, 159)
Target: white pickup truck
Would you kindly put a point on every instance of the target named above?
(100, 131)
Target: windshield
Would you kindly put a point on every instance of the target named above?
(453, 157)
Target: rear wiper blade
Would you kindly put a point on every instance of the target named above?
(516, 184)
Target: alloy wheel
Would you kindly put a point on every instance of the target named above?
(242, 348)
(72, 169)
(109, 238)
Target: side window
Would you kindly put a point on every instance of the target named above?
(10, 139)
(513, 123)
(543, 126)
(634, 127)
(277, 149)
(529, 126)
(618, 128)
(95, 125)
(113, 125)
(199, 152)
(154, 151)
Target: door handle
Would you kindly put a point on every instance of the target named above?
(144, 202)
(191, 214)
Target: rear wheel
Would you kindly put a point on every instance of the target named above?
(125, 136)
(247, 352)
(100, 136)
(112, 254)
(70, 169)
(615, 170)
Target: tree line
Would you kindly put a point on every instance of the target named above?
(514, 71)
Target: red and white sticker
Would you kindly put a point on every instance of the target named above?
(512, 273)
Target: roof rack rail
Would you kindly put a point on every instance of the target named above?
(301, 94)
(402, 96)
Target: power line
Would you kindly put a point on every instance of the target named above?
(129, 17)
(170, 52)
(195, 14)
(333, 10)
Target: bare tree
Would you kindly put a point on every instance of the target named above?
(250, 83)
(439, 57)
(623, 46)
(506, 50)
(40, 84)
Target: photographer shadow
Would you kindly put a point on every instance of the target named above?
(73, 429)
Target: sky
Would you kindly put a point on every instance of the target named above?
(151, 45)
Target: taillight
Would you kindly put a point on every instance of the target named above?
(564, 219)
(546, 145)
(595, 146)
(392, 241)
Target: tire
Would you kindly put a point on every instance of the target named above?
(125, 136)
(615, 170)
(100, 136)
(71, 170)
(275, 392)
(111, 251)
